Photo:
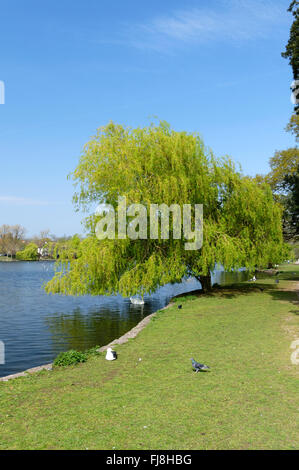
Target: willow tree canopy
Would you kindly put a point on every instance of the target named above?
(155, 165)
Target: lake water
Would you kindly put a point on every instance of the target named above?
(35, 326)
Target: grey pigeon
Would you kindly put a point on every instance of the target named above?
(197, 366)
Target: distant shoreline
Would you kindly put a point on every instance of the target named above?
(5, 259)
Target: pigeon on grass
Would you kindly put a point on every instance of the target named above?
(198, 367)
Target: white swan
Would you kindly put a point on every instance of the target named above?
(136, 301)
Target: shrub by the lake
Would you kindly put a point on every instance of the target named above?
(72, 357)
(30, 253)
(93, 351)
(69, 358)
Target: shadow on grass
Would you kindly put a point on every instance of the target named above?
(295, 312)
(227, 291)
(287, 276)
(286, 296)
(235, 290)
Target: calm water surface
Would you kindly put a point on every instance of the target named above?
(35, 326)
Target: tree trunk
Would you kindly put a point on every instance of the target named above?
(206, 282)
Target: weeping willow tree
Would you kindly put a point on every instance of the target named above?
(157, 165)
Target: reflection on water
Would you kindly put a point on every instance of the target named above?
(80, 331)
(221, 277)
(35, 326)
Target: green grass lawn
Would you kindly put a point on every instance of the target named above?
(249, 399)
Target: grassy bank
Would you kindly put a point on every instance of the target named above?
(249, 399)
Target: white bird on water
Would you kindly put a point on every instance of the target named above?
(111, 355)
(136, 301)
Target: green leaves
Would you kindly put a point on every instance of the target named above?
(72, 357)
(283, 179)
(30, 253)
(69, 358)
(155, 165)
(283, 163)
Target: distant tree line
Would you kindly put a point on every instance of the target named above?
(14, 245)
(11, 239)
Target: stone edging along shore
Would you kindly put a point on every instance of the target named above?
(123, 339)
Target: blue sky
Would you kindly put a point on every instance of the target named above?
(211, 66)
